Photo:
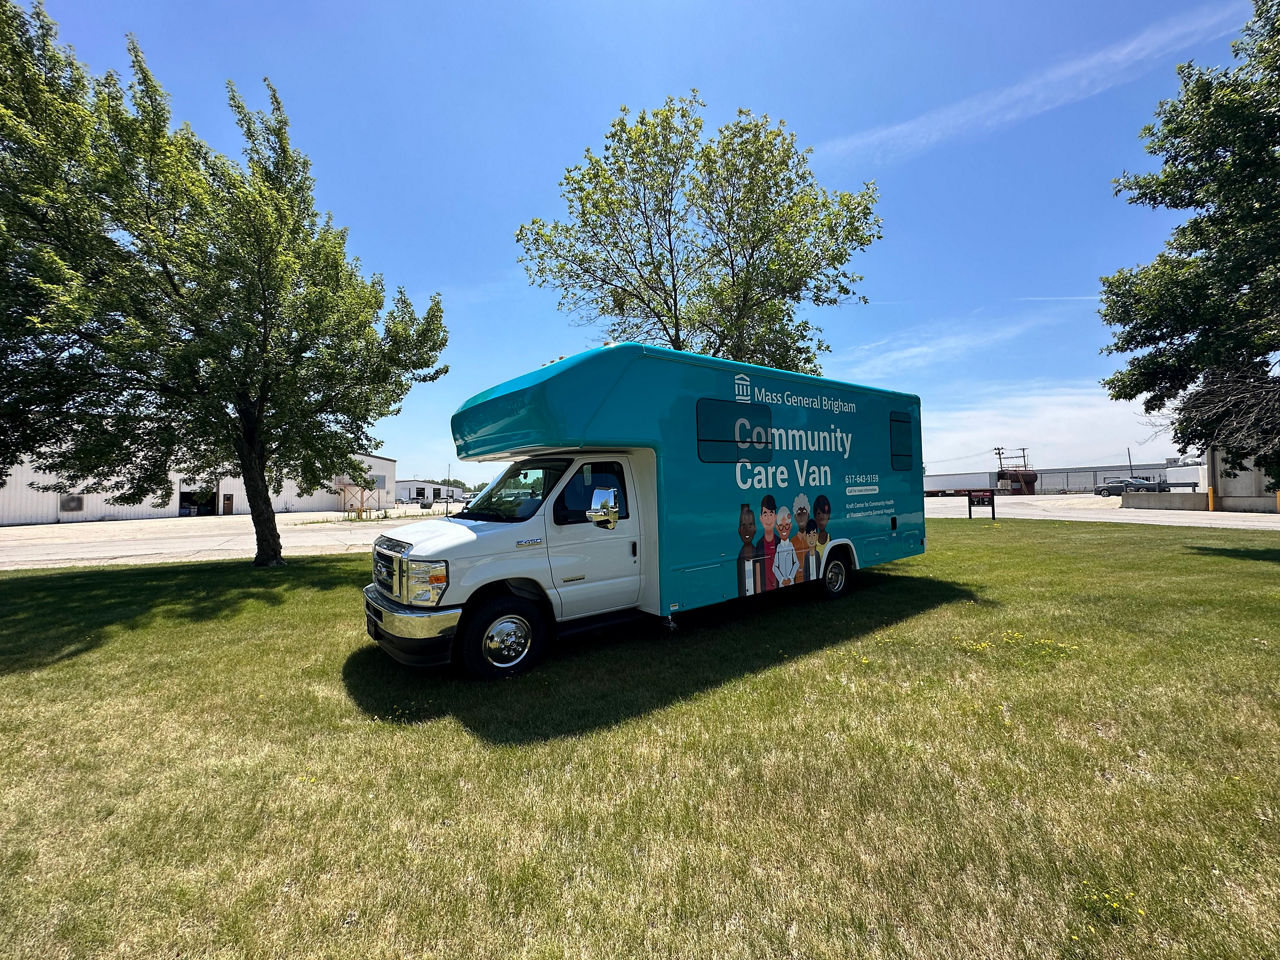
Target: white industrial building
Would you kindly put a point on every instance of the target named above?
(1053, 480)
(1246, 492)
(1084, 478)
(20, 503)
(428, 491)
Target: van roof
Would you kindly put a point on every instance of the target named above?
(601, 397)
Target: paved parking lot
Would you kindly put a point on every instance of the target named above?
(187, 538)
(1087, 507)
(221, 538)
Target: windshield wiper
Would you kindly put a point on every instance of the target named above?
(480, 515)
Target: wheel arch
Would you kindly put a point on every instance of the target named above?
(516, 587)
(832, 546)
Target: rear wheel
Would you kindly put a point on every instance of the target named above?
(502, 637)
(836, 574)
(1104, 493)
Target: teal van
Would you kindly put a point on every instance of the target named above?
(649, 480)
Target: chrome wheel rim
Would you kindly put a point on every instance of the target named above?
(507, 641)
(835, 577)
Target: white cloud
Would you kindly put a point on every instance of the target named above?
(935, 350)
(1061, 84)
(1061, 425)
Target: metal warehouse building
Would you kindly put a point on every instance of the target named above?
(1084, 479)
(20, 503)
(427, 490)
(1053, 480)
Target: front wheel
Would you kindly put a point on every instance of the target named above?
(835, 578)
(502, 637)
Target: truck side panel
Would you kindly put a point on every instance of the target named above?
(743, 456)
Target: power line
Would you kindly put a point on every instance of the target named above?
(984, 452)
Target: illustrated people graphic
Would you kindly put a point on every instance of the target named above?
(813, 552)
(822, 514)
(750, 574)
(800, 506)
(779, 559)
(785, 563)
(768, 544)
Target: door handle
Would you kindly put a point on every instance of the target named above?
(633, 548)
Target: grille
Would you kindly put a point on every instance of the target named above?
(386, 564)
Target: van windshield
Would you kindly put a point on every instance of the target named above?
(519, 493)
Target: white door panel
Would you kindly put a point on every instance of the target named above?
(595, 569)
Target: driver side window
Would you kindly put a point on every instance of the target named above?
(575, 499)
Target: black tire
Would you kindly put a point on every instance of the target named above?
(502, 636)
(837, 574)
(1104, 493)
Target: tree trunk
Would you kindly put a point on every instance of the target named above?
(253, 468)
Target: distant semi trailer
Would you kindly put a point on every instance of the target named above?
(1014, 482)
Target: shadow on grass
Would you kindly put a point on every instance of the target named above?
(1263, 554)
(48, 616)
(593, 680)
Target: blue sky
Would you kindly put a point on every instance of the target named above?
(993, 132)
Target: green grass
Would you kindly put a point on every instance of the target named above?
(1040, 739)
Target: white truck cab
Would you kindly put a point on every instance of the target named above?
(556, 538)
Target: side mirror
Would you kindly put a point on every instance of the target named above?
(604, 508)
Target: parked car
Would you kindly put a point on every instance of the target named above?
(1114, 486)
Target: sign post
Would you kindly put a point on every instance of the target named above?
(982, 498)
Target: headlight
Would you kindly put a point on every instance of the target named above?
(425, 581)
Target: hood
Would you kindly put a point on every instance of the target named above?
(444, 539)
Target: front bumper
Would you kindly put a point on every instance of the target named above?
(411, 635)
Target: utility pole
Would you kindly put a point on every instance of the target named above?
(1000, 456)
(1130, 456)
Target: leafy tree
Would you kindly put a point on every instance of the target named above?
(189, 313)
(57, 263)
(703, 246)
(1202, 320)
